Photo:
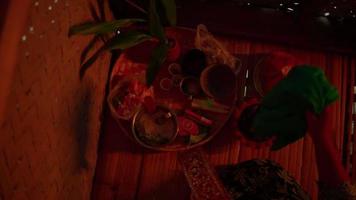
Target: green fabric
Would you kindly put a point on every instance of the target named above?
(282, 111)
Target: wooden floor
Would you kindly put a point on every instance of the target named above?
(126, 171)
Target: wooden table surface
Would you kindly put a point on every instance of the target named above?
(125, 171)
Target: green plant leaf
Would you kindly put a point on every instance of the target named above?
(90, 61)
(121, 41)
(127, 40)
(87, 48)
(101, 27)
(170, 10)
(158, 57)
(93, 13)
(155, 25)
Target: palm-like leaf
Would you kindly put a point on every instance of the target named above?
(101, 27)
(158, 56)
(121, 41)
(155, 25)
(127, 40)
(90, 61)
(93, 13)
(170, 11)
(87, 48)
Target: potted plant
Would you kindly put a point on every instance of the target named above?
(126, 33)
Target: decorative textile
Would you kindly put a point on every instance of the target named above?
(345, 191)
(260, 180)
(201, 177)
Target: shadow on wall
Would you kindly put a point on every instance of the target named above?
(81, 120)
(3, 8)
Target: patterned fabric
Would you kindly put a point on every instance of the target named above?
(250, 180)
(201, 177)
(343, 192)
(260, 180)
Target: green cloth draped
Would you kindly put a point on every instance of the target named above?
(282, 111)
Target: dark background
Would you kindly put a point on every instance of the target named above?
(312, 24)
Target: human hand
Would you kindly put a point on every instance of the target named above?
(327, 157)
(320, 127)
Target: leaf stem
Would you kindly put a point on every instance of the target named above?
(136, 6)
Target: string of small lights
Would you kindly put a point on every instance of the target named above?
(333, 9)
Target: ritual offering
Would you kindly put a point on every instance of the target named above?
(127, 96)
(150, 104)
(176, 80)
(201, 119)
(208, 102)
(218, 81)
(174, 69)
(193, 62)
(209, 107)
(172, 104)
(190, 86)
(157, 128)
(166, 84)
(214, 50)
(174, 113)
(187, 127)
(174, 48)
(203, 132)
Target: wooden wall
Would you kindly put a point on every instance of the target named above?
(50, 119)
